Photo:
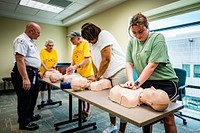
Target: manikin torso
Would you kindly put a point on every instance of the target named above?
(155, 98)
(69, 77)
(78, 84)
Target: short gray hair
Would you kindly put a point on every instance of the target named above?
(49, 41)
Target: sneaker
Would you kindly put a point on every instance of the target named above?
(30, 126)
(111, 129)
(88, 116)
(36, 117)
(76, 115)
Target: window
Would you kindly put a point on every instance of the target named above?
(196, 71)
(182, 34)
(187, 68)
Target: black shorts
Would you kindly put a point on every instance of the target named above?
(169, 87)
(42, 86)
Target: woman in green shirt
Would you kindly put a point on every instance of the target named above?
(147, 52)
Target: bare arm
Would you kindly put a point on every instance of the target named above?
(106, 56)
(84, 62)
(46, 68)
(146, 73)
(22, 70)
(129, 71)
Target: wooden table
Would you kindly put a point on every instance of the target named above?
(140, 116)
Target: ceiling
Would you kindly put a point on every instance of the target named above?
(75, 10)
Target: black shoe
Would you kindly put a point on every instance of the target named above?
(36, 117)
(30, 126)
(49, 101)
(43, 102)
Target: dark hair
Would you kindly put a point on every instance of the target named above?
(90, 31)
(138, 19)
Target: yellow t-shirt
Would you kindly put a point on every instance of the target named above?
(79, 53)
(48, 58)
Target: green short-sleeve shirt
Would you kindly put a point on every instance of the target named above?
(154, 49)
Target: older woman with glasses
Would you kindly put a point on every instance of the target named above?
(147, 52)
(108, 61)
(49, 59)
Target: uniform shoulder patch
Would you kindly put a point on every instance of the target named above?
(20, 40)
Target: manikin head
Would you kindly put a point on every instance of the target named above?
(157, 99)
(79, 84)
(55, 77)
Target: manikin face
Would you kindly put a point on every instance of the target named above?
(140, 32)
(55, 77)
(157, 99)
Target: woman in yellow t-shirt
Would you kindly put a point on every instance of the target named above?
(49, 60)
(81, 62)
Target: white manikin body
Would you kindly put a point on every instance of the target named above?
(82, 83)
(69, 77)
(155, 98)
(100, 85)
(125, 97)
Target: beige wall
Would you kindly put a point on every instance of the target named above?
(11, 28)
(116, 19)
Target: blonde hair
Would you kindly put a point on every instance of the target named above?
(49, 41)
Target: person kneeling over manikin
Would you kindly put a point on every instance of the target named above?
(155, 98)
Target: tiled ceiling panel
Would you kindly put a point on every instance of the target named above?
(64, 14)
(74, 10)
(61, 3)
(26, 10)
(7, 6)
(76, 6)
(46, 14)
(85, 2)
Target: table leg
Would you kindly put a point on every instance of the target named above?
(49, 98)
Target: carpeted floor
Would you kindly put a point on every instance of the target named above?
(55, 113)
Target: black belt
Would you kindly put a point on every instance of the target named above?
(30, 68)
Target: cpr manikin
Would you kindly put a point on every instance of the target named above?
(125, 97)
(78, 84)
(48, 73)
(155, 98)
(55, 77)
(69, 77)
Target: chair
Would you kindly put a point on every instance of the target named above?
(181, 74)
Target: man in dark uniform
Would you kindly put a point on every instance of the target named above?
(25, 75)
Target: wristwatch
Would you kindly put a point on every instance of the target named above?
(137, 84)
(79, 66)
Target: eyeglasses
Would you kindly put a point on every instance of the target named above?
(50, 45)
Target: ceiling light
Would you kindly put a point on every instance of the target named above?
(41, 6)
